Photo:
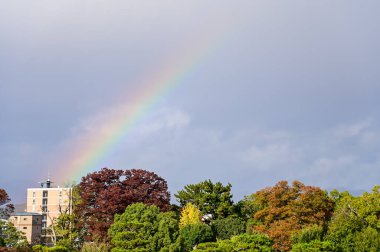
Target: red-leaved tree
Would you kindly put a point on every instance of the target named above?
(108, 192)
(5, 209)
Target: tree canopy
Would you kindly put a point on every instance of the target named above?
(143, 228)
(355, 225)
(108, 192)
(286, 209)
(213, 200)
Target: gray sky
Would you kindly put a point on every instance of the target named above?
(291, 92)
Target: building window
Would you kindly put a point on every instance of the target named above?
(44, 202)
(45, 194)
(25, 218)
(34, 201)
(34, 194)
(44, 208)
(25, 228)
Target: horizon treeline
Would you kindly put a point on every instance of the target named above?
(130, 210)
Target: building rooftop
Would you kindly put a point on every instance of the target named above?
(25, 214)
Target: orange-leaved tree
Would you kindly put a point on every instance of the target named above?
(286, 209)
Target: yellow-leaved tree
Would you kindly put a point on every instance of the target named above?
(190, 215)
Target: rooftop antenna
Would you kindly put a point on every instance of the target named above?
(47, 183)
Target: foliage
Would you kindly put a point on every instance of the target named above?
(58, 249)
(211, 199)
(247, 207)
(336, 195)
(308, 234)
(2, 242)
(194, 234)
(108, 192)
(5, 208)
(355, 225)
(190, 215)
(95, 247)
(41, 248)
(143, 228)
(243, 242)
(228, 227)
(314, 246)
(286, 209)
(13, 238)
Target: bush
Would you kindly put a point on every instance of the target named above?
(208, 246)
(41, 248)
(315, 246)
(58, 249)
(244, 242)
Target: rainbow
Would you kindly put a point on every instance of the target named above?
(94, 147)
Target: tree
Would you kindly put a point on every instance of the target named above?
(228, 227)
(5, 208)
(355, 225)
(143, 228)
(12, 237)
(213, 200)
(286, 209)
(108, 192)
(190, 215)
(192, 235)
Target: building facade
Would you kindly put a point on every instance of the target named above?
(28, 223)
(50, 202)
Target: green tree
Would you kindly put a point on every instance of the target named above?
(213, 200)
(355, 225)
(308, 234)
(12, 237)
(143, 228)
(228, 227)
(192, 235)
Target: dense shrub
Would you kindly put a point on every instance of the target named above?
(244, 242)
(315, 246)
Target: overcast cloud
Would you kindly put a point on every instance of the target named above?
(291, 92)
